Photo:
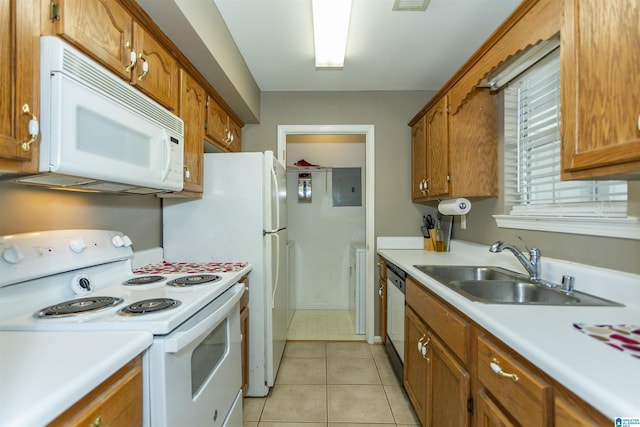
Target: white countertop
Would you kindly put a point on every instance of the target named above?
(606, 378)
(44, 373)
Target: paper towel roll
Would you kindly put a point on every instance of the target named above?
(459, 206)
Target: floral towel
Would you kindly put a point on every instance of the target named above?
(625, 338)
(166, 267)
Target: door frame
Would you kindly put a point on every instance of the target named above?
(369, 132)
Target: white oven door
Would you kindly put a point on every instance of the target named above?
(195, 372)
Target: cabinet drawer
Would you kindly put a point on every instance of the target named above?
(447, 325)
(525, 396)
(115, 402)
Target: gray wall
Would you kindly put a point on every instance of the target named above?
(26, 209)
(389, 112)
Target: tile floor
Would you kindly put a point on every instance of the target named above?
(332, 384)
(324, 325)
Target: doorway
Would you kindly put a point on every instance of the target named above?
(366, 133)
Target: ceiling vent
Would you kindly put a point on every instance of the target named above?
(410, 5)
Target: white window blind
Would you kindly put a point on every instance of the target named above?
(532, 154)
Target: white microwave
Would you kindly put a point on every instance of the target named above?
(100, 134)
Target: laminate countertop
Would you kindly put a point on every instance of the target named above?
(42, 374)
(605, 376)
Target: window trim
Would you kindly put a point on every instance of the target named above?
(622, 228)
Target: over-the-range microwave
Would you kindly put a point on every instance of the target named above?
(100, 134)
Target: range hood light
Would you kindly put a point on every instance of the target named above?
(330, 29)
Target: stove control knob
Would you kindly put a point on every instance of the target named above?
(77, 245)
(127, 240)
(81, 284)
(12, 255)
(117, 241)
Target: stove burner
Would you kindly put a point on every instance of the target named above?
(143, 280)
(149, 306)
(197, 279)
(78, 306)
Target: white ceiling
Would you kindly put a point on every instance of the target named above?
(386, 50)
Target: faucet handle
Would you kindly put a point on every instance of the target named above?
(568, 283)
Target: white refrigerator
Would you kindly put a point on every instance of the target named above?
(242, 216)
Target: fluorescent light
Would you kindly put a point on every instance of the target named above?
(330, 29)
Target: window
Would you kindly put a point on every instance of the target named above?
(535, 197)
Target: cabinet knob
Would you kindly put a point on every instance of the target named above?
(495, 367)
(145, 67)
(132, 59)
(34, 128)
(97, 422)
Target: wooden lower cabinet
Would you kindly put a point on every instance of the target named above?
(488, 414)
(115, 402)
(457, 374)
(437, 384)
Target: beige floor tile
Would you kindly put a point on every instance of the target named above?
(285, 424)
(400, 405)
(252, 408)
(352, 371)
(302, 371)
(358, 404)
(348, 350)
(361, 425)
(305, 349)
(387, 375)
(296, 403)
(250, 424)
(378, 350)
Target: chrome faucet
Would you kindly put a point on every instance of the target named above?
(532, 265)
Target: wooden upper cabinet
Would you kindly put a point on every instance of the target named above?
(430, 154)
(105, 30)
(156, 71)
(19, 85)
(418, 159)
(473, 147)
(222, 130)
(600, 77)
(193, 99)
(437, 136)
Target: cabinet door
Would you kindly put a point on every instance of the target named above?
(19, 84)
(451, 388)
(102, 28)
(437, 135)
(159, 77)
(236, 136)
(600, 79)
(418, 159)
(217, 124)
(490, 415)
(193, 111)
(416, 365)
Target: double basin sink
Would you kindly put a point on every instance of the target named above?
(497, 285)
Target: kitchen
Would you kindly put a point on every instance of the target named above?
(141, 218)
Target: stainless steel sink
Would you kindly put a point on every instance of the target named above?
(464, 272)
(510, 292)
(495, 285)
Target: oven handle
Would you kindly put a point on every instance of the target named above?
(181, 339)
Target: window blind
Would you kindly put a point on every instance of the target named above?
(532, 154)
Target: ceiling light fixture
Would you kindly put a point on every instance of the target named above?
(330, 29)
(410, 5)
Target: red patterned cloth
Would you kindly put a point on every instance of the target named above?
(166, 267)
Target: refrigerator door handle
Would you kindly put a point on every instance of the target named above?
(276, 194)
(277, 278)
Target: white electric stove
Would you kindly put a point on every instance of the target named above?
(82, 280)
